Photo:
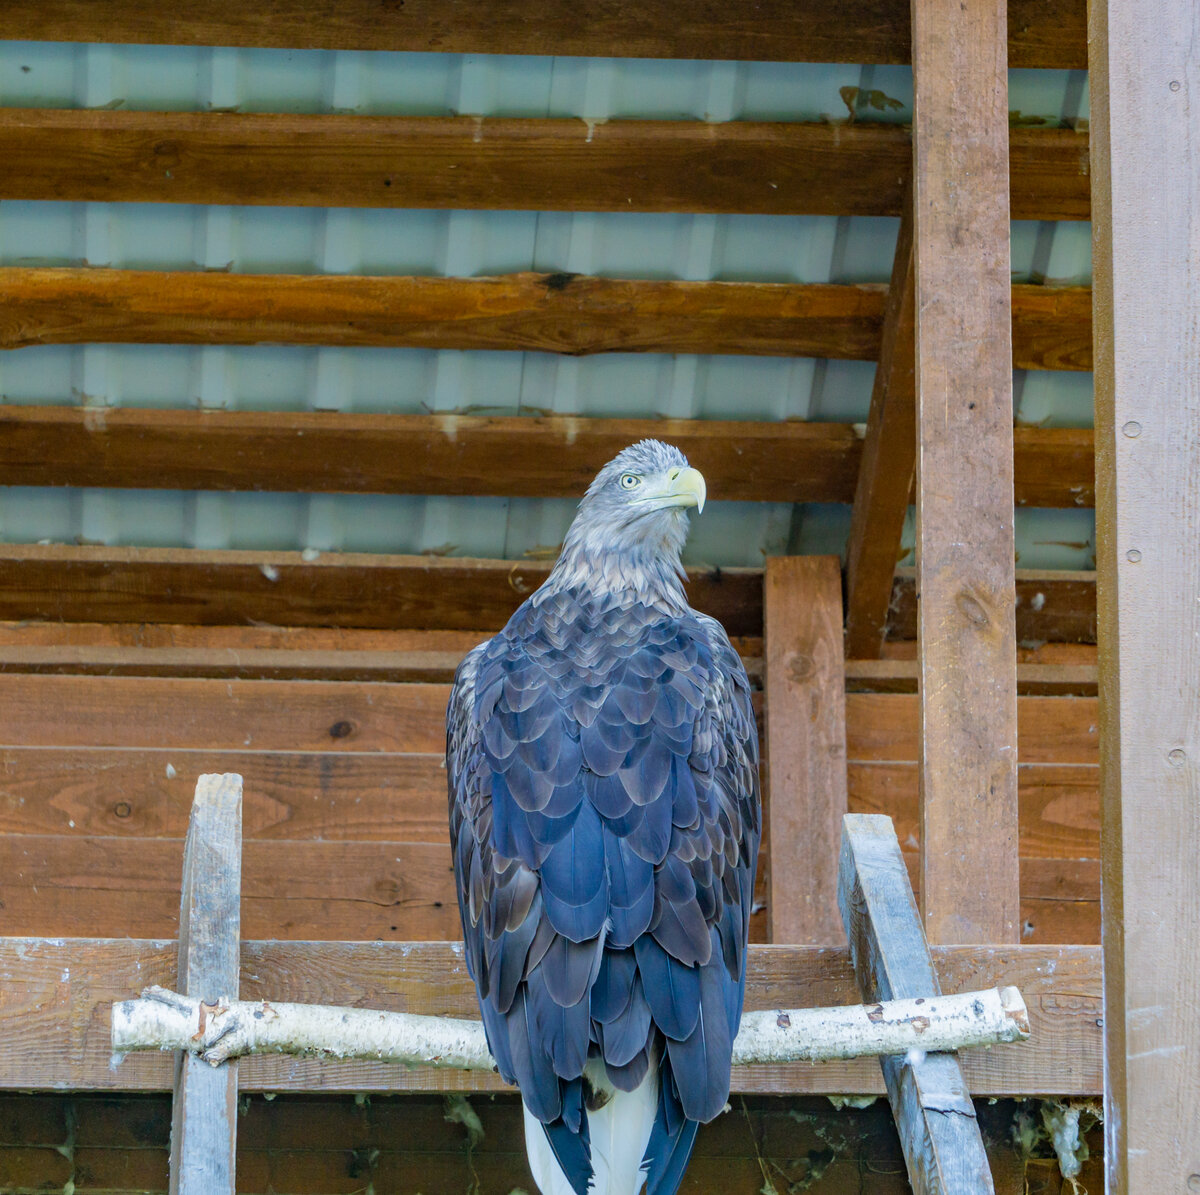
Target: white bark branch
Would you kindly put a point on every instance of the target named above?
(165, 1020)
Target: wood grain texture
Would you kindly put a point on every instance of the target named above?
(347, 891)
(942, 1143)
(1145, 87)
(354, 590)
(1033, 680)
(806, 745)
(60, 1026)
(1052, 606)
(524, 456)
(204, 1105)
(885, 476)
(1040, 34)
(965, 552)
(498, 163)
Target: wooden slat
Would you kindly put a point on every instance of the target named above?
(204, 715)
(884, 727)
(499, 163)
(900, 676)
(1146, 166)
(806, 745)
(204, 1106)
(1040, 34)
(54, 998)
(112, 887)
(885, 477)
(559, 313)
(943, 1147)
(965, 553)
(179, 585)
(123, 792)
(1054, 606)
(557, 456)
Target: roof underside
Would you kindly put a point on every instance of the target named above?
(806, 249)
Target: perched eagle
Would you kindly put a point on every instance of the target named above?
(604, 815)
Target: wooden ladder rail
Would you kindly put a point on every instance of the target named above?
(940, 1136)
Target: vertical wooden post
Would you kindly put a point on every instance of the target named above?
(806, 745)
(943, 1147)
(885, 476)
(204, 1112)
(965, 560)
(1145, 77)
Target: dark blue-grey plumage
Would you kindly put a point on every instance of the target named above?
(604, 815)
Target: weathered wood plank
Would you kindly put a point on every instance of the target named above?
(1052, 606)
(900, 676)
(885, 477)
(110, 887)
(1145, 88)
(204, 1107)
(806, 744)
(499, 163)
(884, 727)
(204, 715)
(1040, 34)
(320, 451)
(965, 553)
(943, 1147)
(180, 585)
(57, 1029)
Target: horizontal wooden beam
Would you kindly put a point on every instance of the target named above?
(1052, 606)
(87, 583)
(319, 452)
(500, 163)
(900, 676)
(57, 995)
(554, 313)
(1040, 34)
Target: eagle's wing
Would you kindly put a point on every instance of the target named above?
(604, 816)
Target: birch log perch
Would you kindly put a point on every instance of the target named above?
(226, 1029)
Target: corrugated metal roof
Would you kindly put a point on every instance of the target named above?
(256, 239)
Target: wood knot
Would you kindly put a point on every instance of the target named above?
(801, 667)
(973, 609)
(122, 809)
(341, 730)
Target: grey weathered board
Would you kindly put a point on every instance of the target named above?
(943, 1147)
(204, 1115)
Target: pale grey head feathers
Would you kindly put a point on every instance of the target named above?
(633, 521)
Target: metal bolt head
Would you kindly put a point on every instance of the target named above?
(1133, 555)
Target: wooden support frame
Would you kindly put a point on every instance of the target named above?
(943, 1147)
(806, 745)
(965, 548)
(889, 459)
(1146, 238)
(204, 1117)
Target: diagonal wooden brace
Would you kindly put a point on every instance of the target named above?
(943, 1147)
(204, 1108)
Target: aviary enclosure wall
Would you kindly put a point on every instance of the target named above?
(314, 339)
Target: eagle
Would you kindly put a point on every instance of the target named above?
(602, 762)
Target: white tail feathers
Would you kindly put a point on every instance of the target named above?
(619, 1131)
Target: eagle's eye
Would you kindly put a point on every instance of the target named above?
(630, 481)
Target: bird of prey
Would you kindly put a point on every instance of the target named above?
(602, 758)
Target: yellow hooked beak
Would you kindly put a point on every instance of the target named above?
(685, 487)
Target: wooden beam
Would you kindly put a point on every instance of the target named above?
(965, 553)
(1146, 171)
(900, 676)
(528, 312)
(806, 745)
(57, 1028)
(204, 1108)
(344, 589)
(523, 456)
(889, 459)
(1040, 34)
(943, 1147)
(1052, 606)
(499, 163)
